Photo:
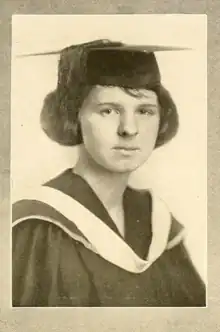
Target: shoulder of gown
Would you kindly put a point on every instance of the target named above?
(183, 277)
(46, 263)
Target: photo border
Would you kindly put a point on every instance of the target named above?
(124, 319)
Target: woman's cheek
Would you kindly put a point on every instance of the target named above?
(107, 131)
(150, 128)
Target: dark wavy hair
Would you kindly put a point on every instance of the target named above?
(59, 115)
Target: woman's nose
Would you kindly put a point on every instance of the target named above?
(128, 126)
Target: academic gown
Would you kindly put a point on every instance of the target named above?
(51, 268)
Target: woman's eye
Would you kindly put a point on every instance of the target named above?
(146, 111)
(108, 111)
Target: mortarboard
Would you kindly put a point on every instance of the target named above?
(103, 62)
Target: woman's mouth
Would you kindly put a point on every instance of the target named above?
(126, 148)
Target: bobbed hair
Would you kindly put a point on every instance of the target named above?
(59, 115)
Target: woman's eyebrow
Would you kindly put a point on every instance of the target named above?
(109, 103)
(146, 104)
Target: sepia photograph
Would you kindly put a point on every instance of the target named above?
(109, 161)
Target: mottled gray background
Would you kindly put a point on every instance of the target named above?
(128, 320)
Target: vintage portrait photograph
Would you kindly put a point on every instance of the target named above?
(109, 161)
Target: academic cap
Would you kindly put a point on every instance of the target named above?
(104, 62)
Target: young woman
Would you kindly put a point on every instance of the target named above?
(86, 238)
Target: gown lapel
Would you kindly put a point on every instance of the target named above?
(76, 187)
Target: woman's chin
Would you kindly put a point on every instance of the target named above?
(122, 167)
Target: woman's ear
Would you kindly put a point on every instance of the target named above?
(163, 128)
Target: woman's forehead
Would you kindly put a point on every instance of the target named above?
(111, 94)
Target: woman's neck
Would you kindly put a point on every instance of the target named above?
(107, 185)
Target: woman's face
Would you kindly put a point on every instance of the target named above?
(119, 130)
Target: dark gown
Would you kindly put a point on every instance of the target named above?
(52, 269)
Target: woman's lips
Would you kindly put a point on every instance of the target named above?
(126, 151)
(126, 148)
